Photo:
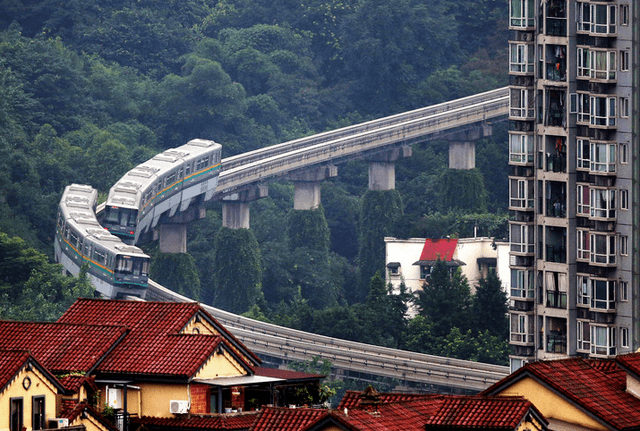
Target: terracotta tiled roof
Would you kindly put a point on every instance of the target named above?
(72, 383)
(286, 374)
(61, 347)
(218, 422)
(351, 399)
(283, 419)
(154, 345)
(11, 361)
(480, 412)
(438, 249)
(597, 386)
(75, 412)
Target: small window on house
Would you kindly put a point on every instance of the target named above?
(394, 268)
(624, 14)
(16, 412)
(624, 107)
(39, 418)
(624, 245)
(624, 291)
(624, 199)
(624, 60)
(624, 337)
(624, 153)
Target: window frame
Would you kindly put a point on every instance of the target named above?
(596, 164)
(604, 69)
(583, 344)
(42, 419)
(522, 283)
(603, 203)
(583, 289)
(583, 250)
(521, 148)
(607, 256)
(624, 337)
(609, 347)
(521, 57)
(602, 114)
(19, 403)
(606, 288)
(525, 17)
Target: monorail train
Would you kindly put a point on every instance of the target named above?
(167, 182)
(114, 268)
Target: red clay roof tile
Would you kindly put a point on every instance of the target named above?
(439, 249)
(11, 361)
(218, 422)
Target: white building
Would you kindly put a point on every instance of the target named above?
(410, 260)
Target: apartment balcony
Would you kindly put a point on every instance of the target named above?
(555, 335)
(556, 18)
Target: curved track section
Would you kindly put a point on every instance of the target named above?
(429, 372)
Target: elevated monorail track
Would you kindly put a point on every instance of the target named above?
(428, 372)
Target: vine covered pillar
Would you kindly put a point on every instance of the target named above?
(306, 193)
(382, 168)
(462, 147)
(235, 207)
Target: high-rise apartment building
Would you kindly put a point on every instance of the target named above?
(574, 171)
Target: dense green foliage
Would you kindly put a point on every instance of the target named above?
(178, 272)
(90, 89)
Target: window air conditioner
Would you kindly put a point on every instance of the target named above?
(179, 407)
(58, 423)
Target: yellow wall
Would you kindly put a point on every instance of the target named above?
(551, 406)
(221, 365)
(155, 398)
(40, 385)
(202, 327)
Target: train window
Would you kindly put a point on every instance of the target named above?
(124, 264)
(99, 256)
(206, 161)
(87, 249)
(171, 178)
(112, 215)
(148, 195)
(187, 170)
(141, 267)
(73, 239)
(179, 174)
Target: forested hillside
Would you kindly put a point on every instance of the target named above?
(89, 89)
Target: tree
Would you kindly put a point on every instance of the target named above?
(445, 299)
(490, 308)
(238, 274)
(178, 272)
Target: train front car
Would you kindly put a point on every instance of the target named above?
(130, 272)
(121, 211)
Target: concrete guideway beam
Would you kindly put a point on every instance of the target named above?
(235, 207)
(382, 168)
(307, 186)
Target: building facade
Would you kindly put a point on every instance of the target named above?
(573, 155)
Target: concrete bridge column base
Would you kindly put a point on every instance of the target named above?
(382, 168)
(307, 186)
(235, 207)
(462, 147)
(171, 233)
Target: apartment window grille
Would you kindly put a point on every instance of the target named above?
(624, 291)
(584, 290)
(602, 111)
(624, 199)
(521, 193)
(602, 249)
(624, 245)
(521, 237)
(520, 148)
(522, 58)
(602, 157)
(603, 294)
(583, 206)
(583, 336)
(603, 65)
(603, 340)
(522, 285)
(603, 203)
(522, 13)
(582, 244)
(624, 337)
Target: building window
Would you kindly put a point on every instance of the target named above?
(583, 206)
(624, 291)
(16, 419)
(584, 290)
(603, 340)
(624, 14)
(603, 294)
(583, 63)
(521, 328)
(603, 65)
(624, 107)
(582, 244)
(603, 157)
(522, 13)
(520, 148)
(624, 153)
(583, 336)
(521, 237)
(602, 248)
(39, 417)
(603, 19)
(522, 285)
(522, 58)
(583, 150)
(624, 337)
(521, 103)
(584, 113)
(603, 203)
(521, 193)
(624, 60)
(603, 111)
(624, 245)
(556, 284)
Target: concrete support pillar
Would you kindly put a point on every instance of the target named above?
(462, 147)
(235, 207)
(382, 168)
(171, 232)
(307, 185)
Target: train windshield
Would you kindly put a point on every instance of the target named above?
(132, 265)
(121, 216)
